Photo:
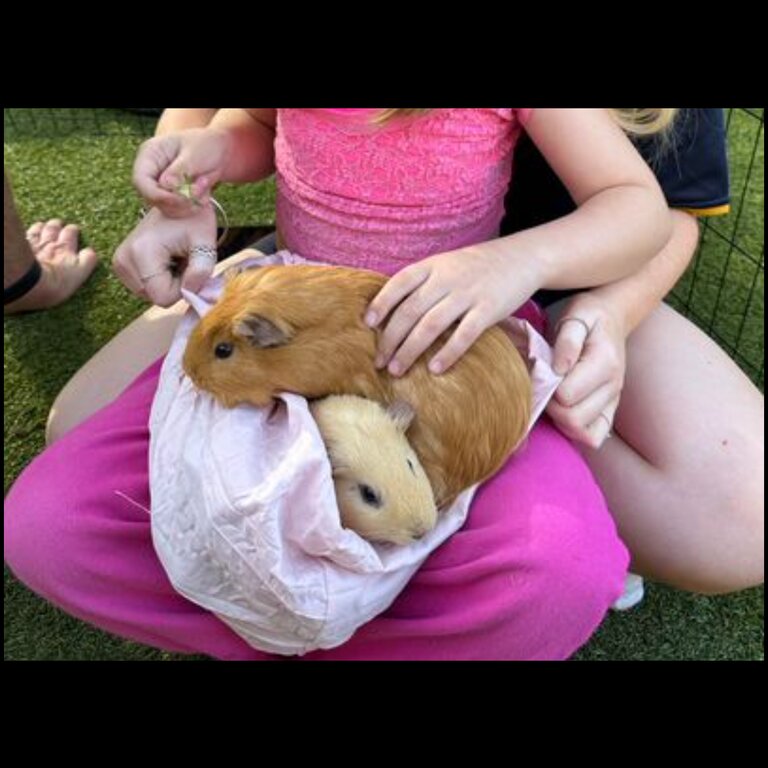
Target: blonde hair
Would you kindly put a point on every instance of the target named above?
(385, 115)
(644, 122)
(635, 122)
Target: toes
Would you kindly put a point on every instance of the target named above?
(33, 233)
(64, 249)
(88, 259)
(51, 230)
(68, 237)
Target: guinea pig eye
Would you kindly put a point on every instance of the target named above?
(369, 496)
(223, 350)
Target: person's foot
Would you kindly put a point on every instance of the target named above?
(65, 268)
(634, 591)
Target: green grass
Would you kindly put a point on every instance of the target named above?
(60, 166)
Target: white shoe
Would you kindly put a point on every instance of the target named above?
(633, 593)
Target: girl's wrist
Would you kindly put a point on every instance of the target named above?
(517, 262)
(608, 307)
(226, 140)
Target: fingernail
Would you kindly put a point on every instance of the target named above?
(371, 318)
(395, 368)
(436, 366)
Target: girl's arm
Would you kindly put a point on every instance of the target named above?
(635, 297)
(237, 146)
(621, 222)
(622, 219)
(251, 133)
(607, 316)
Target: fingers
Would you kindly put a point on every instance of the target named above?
(396, 289)
(200, 246)
(469, 330)
(200, 265)
(426, 330)
(197, 191)
(123, 267)
(571, 335)
(143, 261)
(599, 365)
(157, 175)
(589, 422)
(601, 428)
(403, 323)
(146, 272)
(600, 362)
(156, 279)
(152, 160)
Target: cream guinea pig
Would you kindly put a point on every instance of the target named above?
(300, 329)
(382, 490)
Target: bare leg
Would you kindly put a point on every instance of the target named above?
(683, 473)
(119, 362)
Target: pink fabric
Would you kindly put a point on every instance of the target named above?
(350, 192)
(530, 576)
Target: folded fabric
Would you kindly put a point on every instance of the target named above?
(244, 514)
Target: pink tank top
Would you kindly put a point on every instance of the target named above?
(381, 197)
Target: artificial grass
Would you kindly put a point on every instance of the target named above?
(60, 166)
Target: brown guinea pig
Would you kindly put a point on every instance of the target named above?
(382, 491)
(300, 329)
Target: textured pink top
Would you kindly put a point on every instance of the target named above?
(381, 197)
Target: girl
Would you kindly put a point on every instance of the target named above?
(532, 573)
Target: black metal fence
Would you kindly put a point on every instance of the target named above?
(722, 291)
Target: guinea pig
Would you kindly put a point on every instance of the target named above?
(382, 491)
(300, 329)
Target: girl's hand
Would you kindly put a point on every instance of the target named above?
(590, 349)
(176, 172)
(476, 286)
(157, 257)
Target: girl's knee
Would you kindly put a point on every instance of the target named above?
(537, 593)
(737, 558)
(32, 544)
(722, 550)
(65, 413)
(45, 530)
(578, 569)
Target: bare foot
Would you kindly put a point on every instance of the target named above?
(65, 268)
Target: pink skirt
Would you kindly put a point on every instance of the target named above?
(530, 576)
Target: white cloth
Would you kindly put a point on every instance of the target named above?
(244, 516)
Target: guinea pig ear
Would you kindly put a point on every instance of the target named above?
(402, 413)
(261, 332)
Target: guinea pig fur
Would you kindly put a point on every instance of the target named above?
(382, 491)
(300, 329)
